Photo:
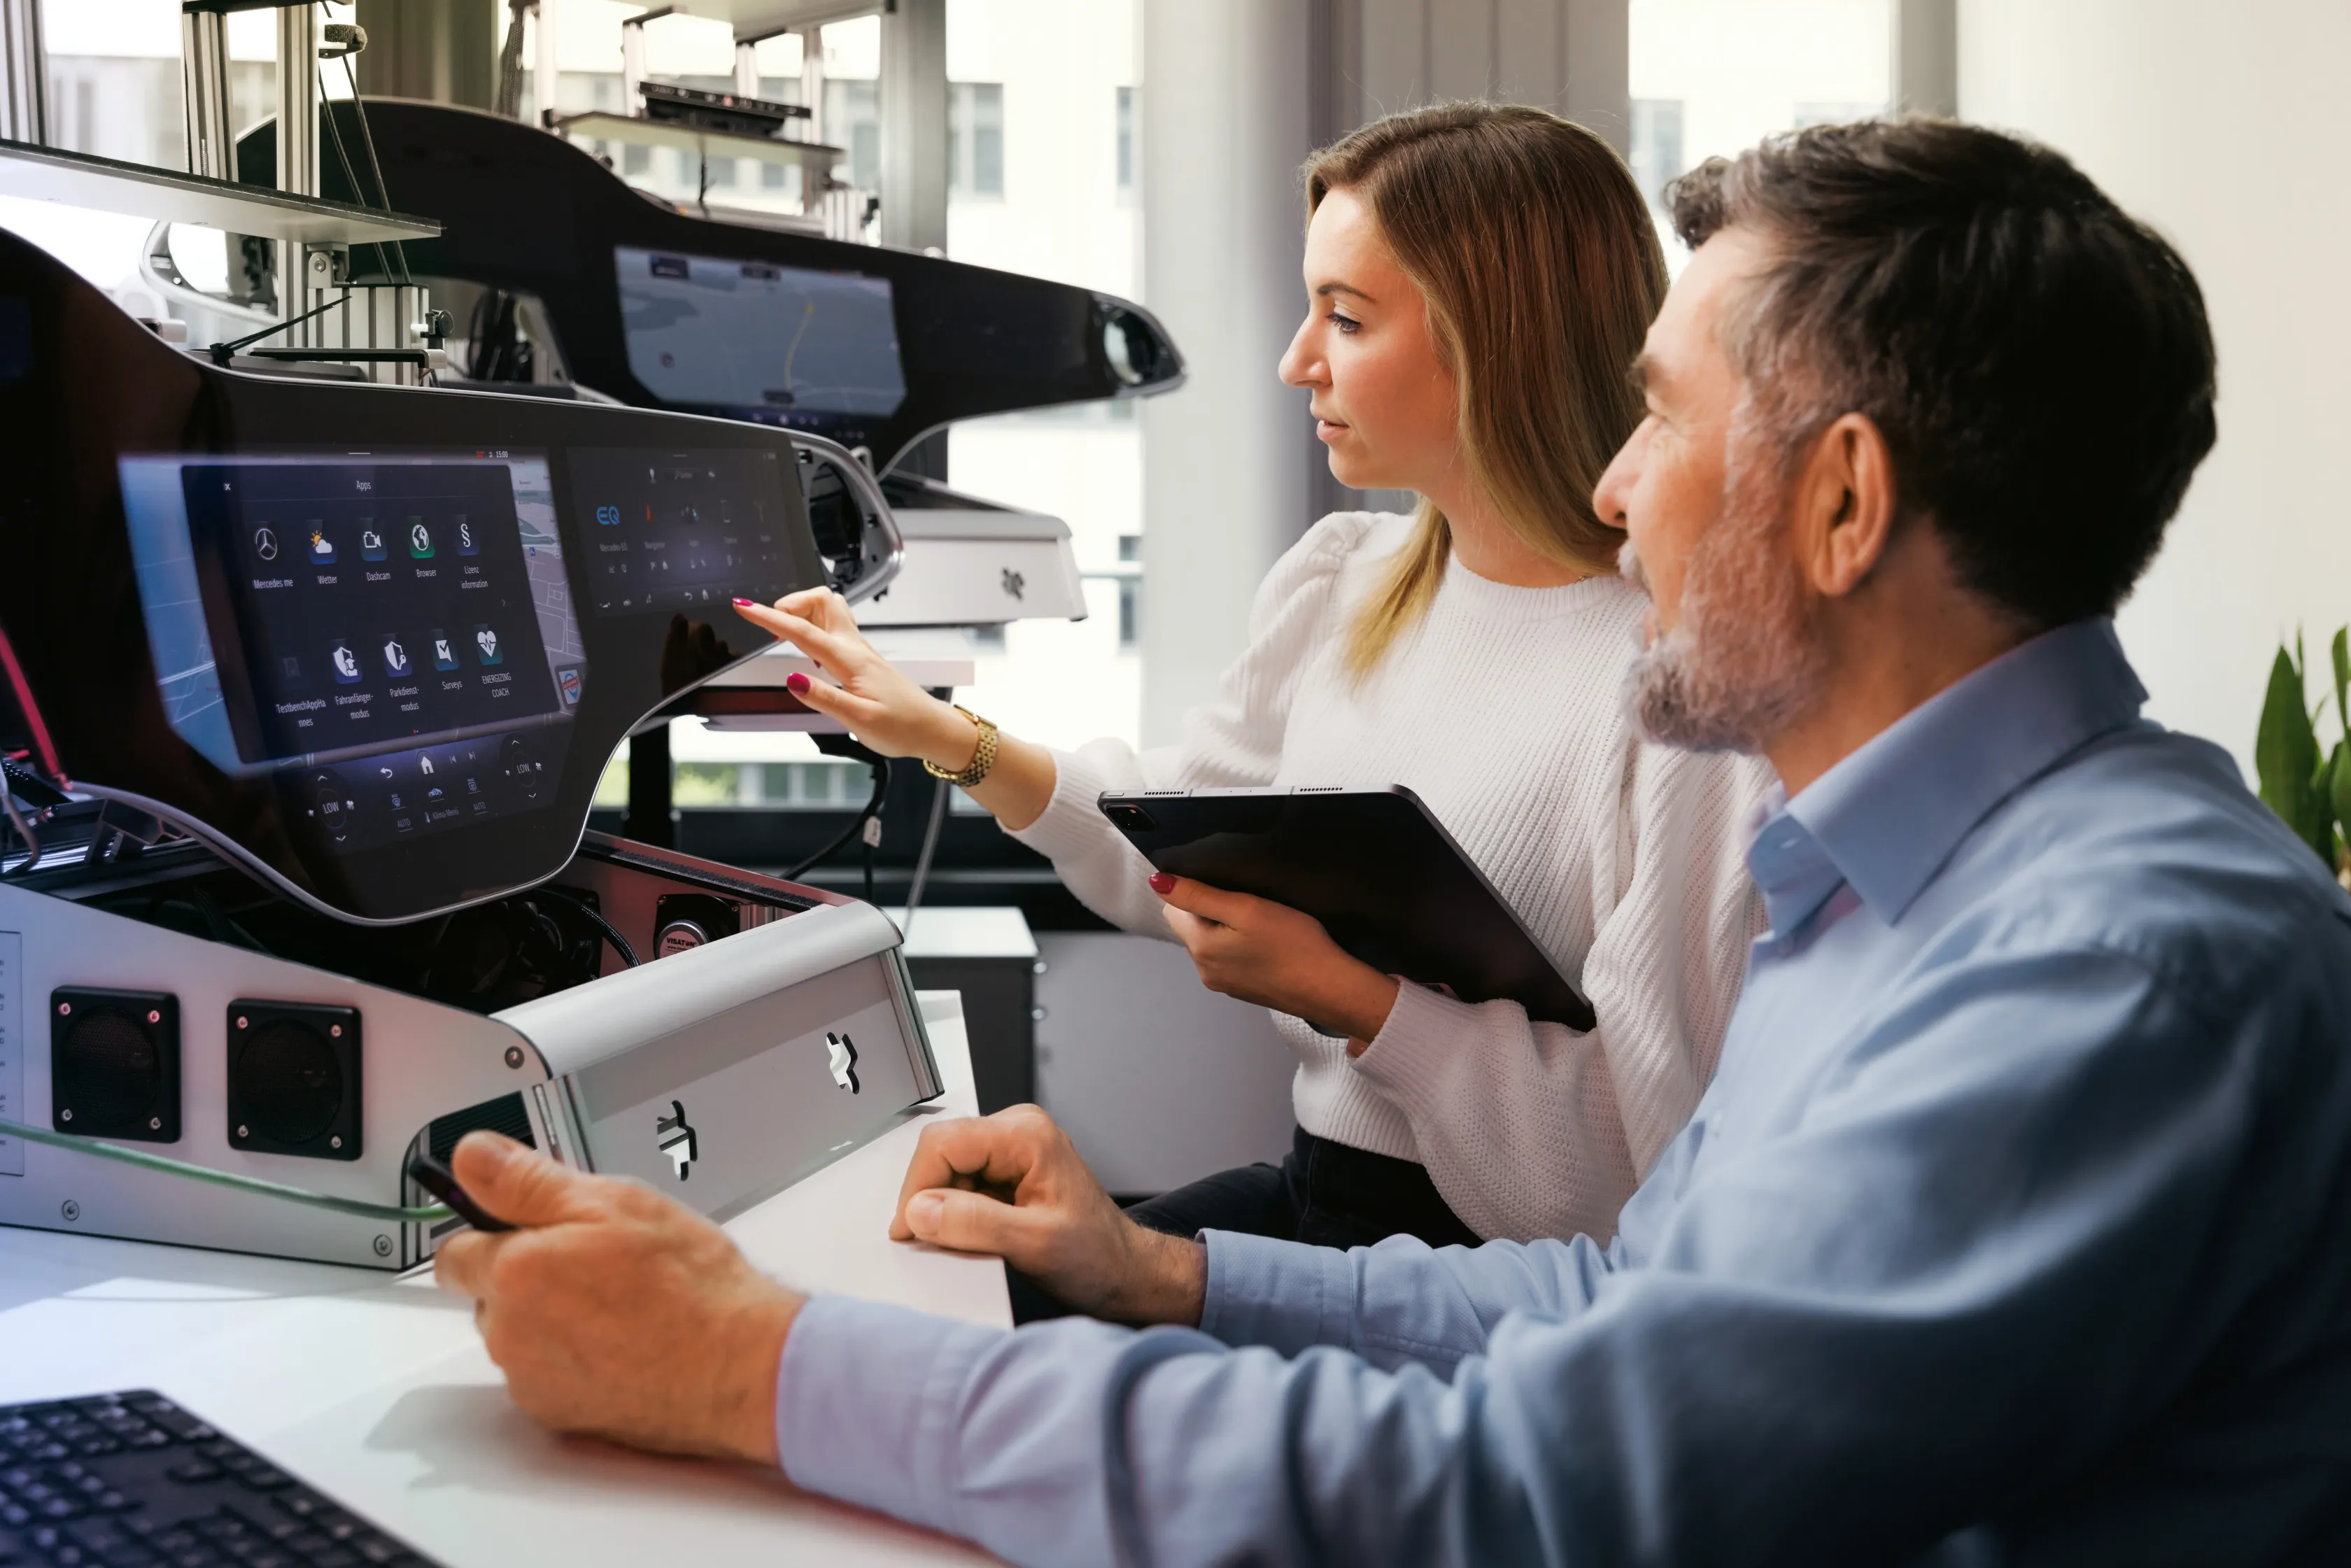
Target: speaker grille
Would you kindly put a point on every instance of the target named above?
(294, 1079)
(289, 1081)
(114, 1064)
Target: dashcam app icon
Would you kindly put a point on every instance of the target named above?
(371, 541)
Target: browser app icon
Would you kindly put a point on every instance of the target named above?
(420, 539)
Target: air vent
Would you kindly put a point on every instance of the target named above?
(293, 1080)
(114, 1064)
(503, 1114)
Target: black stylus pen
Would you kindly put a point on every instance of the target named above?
(442, 1183)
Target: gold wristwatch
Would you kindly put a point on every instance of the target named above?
(982, 759)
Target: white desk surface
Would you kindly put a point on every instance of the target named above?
(375, 1389)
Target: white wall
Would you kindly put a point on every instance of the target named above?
(2217, 123)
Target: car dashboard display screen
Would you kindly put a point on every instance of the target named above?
(396, 628)
(753, 339)
(684, 530)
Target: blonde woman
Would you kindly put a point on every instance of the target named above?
(1479, 279)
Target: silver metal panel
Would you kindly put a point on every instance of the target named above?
(923, 524)
(419, 1061)
(742, 1105)
(12, 1050)
(981, 580)
(576, 1029)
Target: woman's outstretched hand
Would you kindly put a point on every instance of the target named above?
(885, 710)
(1269, 953)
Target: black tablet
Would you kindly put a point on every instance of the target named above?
(1375, 867)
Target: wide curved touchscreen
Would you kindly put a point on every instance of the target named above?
(375, 643)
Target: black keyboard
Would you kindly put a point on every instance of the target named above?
(132, 1480)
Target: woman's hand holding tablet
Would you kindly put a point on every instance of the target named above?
(1260, 951)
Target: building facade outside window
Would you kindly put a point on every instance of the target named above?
(975, 140)
(1711, 76)
(1125, 134)
(1064, 211)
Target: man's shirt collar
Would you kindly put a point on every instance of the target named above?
(1885, 817)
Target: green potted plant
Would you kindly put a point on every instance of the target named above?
(2309, 790)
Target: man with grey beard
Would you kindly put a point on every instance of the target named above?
(2016, 1224)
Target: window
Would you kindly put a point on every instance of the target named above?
(1065, 169)
(1126, 142)
(1832, 113)
(852, 121)
(974, 139)
(1130, 592)
(1656, 147)
(1714, 76)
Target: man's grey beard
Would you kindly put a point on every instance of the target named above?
(1744, 660)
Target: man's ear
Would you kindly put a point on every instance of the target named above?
(1845, 506)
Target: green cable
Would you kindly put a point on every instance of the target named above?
(431, 1215)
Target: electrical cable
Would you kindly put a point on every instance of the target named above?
(350, 175)
(856, 824)
(223, 353)
(366, 139)
(432, 1214)
(628, 954)
(930, 846)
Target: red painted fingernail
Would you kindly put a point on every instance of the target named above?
(795, 683)
(740, 600)
(1161, 882)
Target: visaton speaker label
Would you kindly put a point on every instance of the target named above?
(14, 1041)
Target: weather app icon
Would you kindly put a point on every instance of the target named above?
(322, 549)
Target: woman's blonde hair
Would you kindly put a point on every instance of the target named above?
(1542, 270)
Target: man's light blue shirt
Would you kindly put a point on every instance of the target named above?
(2014, 1228)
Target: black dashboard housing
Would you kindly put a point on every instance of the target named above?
(83, 385)
(526, 211)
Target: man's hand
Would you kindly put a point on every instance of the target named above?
(615, 1311)
(1272, 954)
(1010, 1185)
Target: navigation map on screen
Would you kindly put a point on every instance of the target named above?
(783, 344)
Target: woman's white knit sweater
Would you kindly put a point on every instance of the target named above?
(1502, 710)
